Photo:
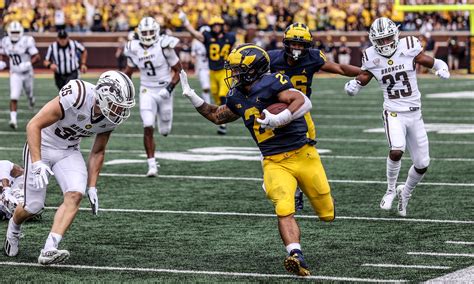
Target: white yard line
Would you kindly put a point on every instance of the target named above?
(210, 213)
(460, 243)
(465, 275)
(201, 272)
(260, 179)
(387, 265)
(442, 254)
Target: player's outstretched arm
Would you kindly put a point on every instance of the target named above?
(216, 114)
(187, 25)
(440, 67)
(353, 86)
(341, 69)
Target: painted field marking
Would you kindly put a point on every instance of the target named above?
(241, 214)
(200, 272)
(387, 265)
(460, 243)
(442, 254)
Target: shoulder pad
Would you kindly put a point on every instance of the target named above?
(168, 41)
(368, 57)
(317, 53)
(412, 46)
(73, 94)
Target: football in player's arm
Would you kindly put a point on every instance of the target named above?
(289, 156)
(392, 62)
(53, 137)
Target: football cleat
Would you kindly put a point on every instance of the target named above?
(402, 201)
(12, 242)
(387, 199)
(53, 256)
(222, 129)
(31, 102)
(296, 264)
(13, 124)
(299, 203)
(152, 172)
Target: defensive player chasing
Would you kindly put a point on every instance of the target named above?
(392, 62)
(155, 57)
(300, 61)
(53, 138)
(289, 158)
(23, 54)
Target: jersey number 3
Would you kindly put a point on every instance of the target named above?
(400, 76)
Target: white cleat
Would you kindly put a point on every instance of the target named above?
(12, 242)
(387, 199)
(402, 201)
(13, 124)
(152, 172)
(52, 256)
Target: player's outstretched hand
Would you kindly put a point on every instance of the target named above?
(40, 173)
(183, 17)
(188, 92)
(352, 87)
(443, 74)
(93, 199)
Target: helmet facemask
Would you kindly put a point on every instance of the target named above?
(15, 31)
(384, 35)
(114, 102)
(148, 31)
(296, 49)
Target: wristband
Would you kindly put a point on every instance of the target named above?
(170, 87)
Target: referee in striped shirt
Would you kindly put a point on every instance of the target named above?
(65, 57)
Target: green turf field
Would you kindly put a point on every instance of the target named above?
(209, 220)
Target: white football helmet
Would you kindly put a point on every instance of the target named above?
(148, 31)
(384, 35)
(115, 95)
(15, 31)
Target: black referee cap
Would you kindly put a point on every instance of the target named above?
(62, 34)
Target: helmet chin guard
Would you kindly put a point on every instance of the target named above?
(384, 35)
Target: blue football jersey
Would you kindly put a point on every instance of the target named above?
(301, 74)
(249, 106)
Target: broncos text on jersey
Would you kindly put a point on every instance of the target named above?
(396, 74)
(249, 106)
(300, 74)
(77, 101)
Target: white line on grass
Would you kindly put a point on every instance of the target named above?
(442, 254)
(120, 210)
(260, 179)
(460, 243)
(387, 265)
(201, 272)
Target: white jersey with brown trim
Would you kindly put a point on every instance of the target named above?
(77, 101)
(19, 52)
(396, 74)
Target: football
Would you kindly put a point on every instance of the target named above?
(275, 108)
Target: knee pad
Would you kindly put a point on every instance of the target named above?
(424, 164)
(34, 207)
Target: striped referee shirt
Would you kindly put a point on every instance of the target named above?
(66, 58)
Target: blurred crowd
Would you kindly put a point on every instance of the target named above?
(264, 15)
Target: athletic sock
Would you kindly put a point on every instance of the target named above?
(412, 180)
(13, 227)
(13, 116)
(151, 162)
(293, 246)
(393, 169)
(52, 242)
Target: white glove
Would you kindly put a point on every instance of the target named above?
(3, 65)
(352, 87)
(272, 121)
(40, 173)
(183, 17)
(188, 92)
(164, 94)
(93, 199)
(25, 66)
(9, 200)
(443, 74)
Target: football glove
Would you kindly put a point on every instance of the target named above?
(188, 92)
(441, 69)
(164, 94)
(352, 87)
(93, 199)
(25, 66)
(3, 65)
(443, 74)
(40, 173)
(272, 121)
(183, 17)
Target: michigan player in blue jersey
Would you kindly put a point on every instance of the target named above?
(300, 61)
(289, 158)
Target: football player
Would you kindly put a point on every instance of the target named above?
(289, 156)
(53, 137)
(218, 45)
(392, 62)
(201, 65)
(23, 54)
(11, 188)
(300, 61)
(154, 56)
